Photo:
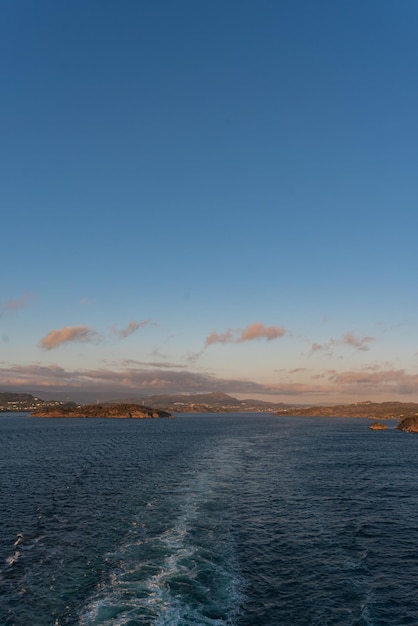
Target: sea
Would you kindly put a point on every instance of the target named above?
(215, 519)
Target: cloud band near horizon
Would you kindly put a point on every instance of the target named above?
(353, 383)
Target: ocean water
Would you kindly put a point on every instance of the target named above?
(245, 520)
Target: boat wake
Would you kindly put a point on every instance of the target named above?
(186, 573)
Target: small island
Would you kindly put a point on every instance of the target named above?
(409, 424)
(378, 426)
(118, 411)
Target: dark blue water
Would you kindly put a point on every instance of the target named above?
(218, 519)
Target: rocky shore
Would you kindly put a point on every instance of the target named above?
(409, 424)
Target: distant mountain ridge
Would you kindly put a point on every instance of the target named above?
(214, 402)
(219, 402)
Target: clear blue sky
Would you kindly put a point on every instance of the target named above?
(212, 195)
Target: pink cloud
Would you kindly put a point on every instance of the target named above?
(215, 337)
(251, 332)
(68, 334)
(349, 339)
(259, 331)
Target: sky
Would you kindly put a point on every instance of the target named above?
(210, 196)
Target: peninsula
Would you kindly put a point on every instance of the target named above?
(119, 411)
(371, 410)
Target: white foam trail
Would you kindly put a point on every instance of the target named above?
(132, 594)
(11, 560)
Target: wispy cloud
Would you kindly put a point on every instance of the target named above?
(323, 347)
(131, 328)
(251, 332)
(215, 337)
(361, 343)
(349, 339)
(14, 305)
(68, 334)
(147, 364)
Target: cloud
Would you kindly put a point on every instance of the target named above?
(156, 364)
(132, 377)
(318, 347)
(259, 331)
(85, 334)
(131, 328)
(14, 305)
(68, 334)
(349, 339)
(361, 343)
(214, 337)
(251, 332)
(361, 377)
(126, 378)
(371, 380)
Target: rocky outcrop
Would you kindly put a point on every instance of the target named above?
(378, 426)
(409, 424)
(120, 411)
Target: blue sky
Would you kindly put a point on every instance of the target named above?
(203, 196)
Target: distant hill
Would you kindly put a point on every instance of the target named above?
(215, 402)
(7, 396)
(24, 402)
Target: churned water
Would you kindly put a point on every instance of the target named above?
(245, 520)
